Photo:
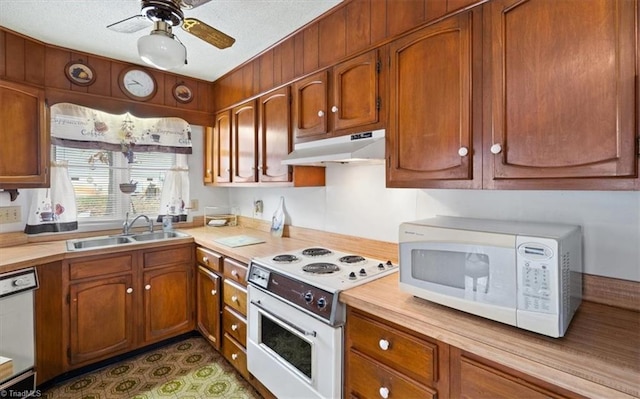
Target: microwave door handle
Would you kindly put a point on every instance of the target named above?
(288, 324)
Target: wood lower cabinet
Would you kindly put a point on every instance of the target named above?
(209, 294)
(235, 314)
(383, 359)
(117, 303)
(24, 137)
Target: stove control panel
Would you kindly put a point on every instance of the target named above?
(259, 276)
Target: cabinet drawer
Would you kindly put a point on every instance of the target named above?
(101, 266)
(370, 379)
(236, 354)
(209, 259)
(235, 297)
(235, 325)
(408, 354)
(168, 256)
(235, 271)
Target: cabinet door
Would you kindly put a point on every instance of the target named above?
(24, 137)
(245, 143)
(101, 318)
(222, 148)
(432, 124)
(208, 155)
(563, 105)
(167, 303)
(355, 92)
(209, 294)
(310, 108)
(275, 135)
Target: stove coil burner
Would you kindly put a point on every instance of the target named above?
(285, 258)
(352, 259)
(320, 268)
(316, 252)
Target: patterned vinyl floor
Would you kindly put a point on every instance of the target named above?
(189, 369)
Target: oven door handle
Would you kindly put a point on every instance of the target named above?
(298, 329)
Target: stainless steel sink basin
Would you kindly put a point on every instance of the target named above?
(158, 235)
(113, 241)
(97, 242)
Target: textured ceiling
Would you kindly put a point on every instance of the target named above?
(81, 25)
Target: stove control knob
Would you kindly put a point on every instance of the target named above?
(352, 276)
(389, 264)
(362, 272)
(308, 297)
(380, 266)
(322, 302)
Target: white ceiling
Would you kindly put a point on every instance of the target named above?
(81, 25)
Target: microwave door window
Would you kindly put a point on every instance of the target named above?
(444, 268)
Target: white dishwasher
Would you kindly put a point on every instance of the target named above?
(17, 336)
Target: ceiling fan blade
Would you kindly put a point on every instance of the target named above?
(131, 24)
(191, 4)
(207, 33)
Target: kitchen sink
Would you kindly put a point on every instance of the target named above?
(114, 241)
(158, 235)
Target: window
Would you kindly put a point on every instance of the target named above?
(96, 176)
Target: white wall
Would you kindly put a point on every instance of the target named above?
(356, 202)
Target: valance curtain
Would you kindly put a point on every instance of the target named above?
(53, 209)
(81, 127)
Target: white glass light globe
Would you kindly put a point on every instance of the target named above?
(162, 51)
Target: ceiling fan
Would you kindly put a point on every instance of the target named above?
(161, 48)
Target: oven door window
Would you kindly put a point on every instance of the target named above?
(286, 344)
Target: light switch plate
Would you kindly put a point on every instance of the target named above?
(10, 214)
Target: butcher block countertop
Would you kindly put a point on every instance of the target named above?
(599, 357)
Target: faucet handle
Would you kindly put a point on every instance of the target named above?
(150, 225)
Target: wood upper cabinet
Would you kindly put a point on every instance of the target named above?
(434, 125)
(208, 156)
(244, 133)
(167, 302)
(275, 135)
(310, 107)
(24, 136)
(222, 148)
(563, 82)
(356, 98)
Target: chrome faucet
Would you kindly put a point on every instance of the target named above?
(126, 225)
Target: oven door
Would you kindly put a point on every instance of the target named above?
(290, 352)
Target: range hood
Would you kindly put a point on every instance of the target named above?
(361, 147)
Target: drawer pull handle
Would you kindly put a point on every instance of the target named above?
(213, 292)
(234, 327)
(234, 298)
(147, 287)
(234, 356)
(384, 344)
(234, 273)
(205, 259)
(129, 290)
(384, 392)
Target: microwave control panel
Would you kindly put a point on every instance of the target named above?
(537, 270)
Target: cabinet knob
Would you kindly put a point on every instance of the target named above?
(234, 298)
(208, 171)
(234, 356)
(463, 151)
(234, 273)
(147, 287)
(384, 344)
(496, 149)
(334, 109)
(384, 392)
(129, 290)
(320, 113)
(213, 292)
(205, 259)
(234, 327)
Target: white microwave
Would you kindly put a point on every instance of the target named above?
(525, 274)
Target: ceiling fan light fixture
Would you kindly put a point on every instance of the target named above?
(161, 49)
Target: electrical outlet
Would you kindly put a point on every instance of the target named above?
(258, 208)
(194, 205)
(10, 214)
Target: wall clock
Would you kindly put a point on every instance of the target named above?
(137, 84)
(182, 93)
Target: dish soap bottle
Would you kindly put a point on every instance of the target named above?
(277, 221)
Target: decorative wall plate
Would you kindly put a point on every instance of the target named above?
(79, 73)
(182, 93)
